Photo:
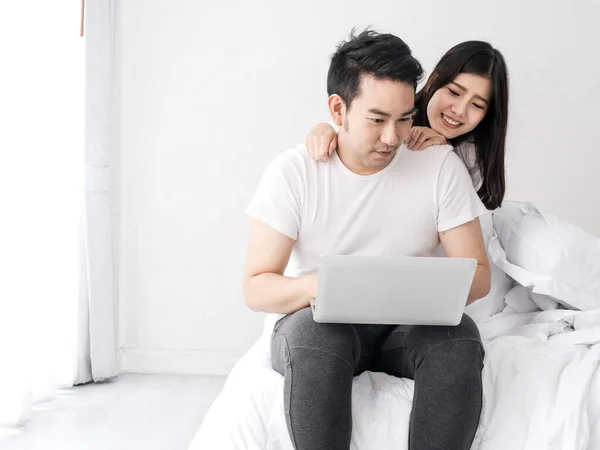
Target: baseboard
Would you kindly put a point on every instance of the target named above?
(179, 362)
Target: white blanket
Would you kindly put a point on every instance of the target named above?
(541, 376)
(541, 391)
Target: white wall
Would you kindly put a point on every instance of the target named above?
(210, 94)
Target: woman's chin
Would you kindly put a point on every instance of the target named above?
(439, 129)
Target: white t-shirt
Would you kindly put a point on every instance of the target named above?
(329, 209)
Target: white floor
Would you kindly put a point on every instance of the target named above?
(146, 412)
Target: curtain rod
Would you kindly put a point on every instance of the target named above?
(82, 16)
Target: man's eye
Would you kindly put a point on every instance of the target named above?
(453, 92)
(377, 120)
(406, 119)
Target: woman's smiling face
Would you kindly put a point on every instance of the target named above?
(458, 107)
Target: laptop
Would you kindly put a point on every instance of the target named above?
(395, 290)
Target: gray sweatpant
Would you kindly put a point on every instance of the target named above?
(320, 360)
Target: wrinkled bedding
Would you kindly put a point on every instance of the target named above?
(541, 391)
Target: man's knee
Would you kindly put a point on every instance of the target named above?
(459, 358)
(300, 331)
(427, 338)
(431, 336)
(466, 330)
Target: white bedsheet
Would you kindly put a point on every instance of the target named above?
(541, 391)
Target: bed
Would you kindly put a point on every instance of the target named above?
(540, 326)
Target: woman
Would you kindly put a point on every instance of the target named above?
(465, 104)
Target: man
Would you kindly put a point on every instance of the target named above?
(374, 198)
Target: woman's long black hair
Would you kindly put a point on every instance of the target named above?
(489, 136)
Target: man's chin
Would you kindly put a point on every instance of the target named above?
(379, 164)
(382, 157)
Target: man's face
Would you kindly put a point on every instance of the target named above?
(379, 119)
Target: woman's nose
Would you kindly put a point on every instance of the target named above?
(459, 108)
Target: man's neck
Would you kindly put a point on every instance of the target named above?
(352, 164)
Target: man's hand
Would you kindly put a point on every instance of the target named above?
(311, 286)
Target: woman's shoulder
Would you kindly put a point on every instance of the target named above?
(467, 152)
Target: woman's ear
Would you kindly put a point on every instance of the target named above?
(337, 109)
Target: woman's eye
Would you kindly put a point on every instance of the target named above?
(453, 92)
(478, 106)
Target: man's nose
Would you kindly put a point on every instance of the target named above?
(390, 136)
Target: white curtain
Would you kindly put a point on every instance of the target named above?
(98, 344)
(54, 331)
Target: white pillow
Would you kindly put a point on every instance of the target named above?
(493, 303)
(501, 284)
(551, 256)
(520, 299)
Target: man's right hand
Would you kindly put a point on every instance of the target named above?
(321, 142)
(311, 286)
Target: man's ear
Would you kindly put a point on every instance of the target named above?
(337, 109)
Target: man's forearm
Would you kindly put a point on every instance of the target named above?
(481, 284)
(274, 293)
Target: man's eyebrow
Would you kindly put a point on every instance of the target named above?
(382, 113)
(410, 112)
(379, 112)
(464, 89)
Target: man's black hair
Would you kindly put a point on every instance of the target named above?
(383, 56)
